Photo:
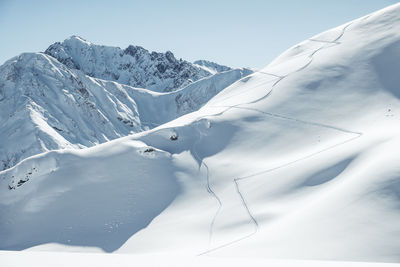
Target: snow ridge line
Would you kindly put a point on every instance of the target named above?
(236, 180)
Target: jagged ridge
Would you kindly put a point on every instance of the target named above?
(133, 66)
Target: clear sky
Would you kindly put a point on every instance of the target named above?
(246, 33)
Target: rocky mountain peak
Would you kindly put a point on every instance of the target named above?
(134, 65)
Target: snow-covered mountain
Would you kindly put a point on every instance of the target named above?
(46, 105)
(134, 66)
(297, 161)
(211, 67)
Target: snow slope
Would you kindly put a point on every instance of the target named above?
(45, 106)
(297, 161)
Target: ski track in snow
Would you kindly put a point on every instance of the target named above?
(323, 41)
(281, 77)
(238, 106)
(209, 189)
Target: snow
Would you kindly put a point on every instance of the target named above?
(46, 105)
(134, 66)
(210, 66)
(292, 165)
(34, 259)
(105, 211)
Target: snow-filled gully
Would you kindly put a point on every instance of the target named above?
(238, 179)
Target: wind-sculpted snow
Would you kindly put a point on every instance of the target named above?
(299, 160)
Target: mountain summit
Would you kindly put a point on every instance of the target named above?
(134, 66)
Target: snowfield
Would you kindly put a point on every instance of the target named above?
(294, 165)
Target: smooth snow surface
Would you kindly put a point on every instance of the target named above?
(300, 160)
(44, 259)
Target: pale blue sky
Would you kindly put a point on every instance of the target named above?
(247, 33)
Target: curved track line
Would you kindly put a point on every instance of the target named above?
(209, 189)
(298, 120)
(323, 41)
(236, 180)
(253, 219)
(343, 31)
(267, 73)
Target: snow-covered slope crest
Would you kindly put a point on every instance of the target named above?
(45, 106)
(133, 66)
(297, 161)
